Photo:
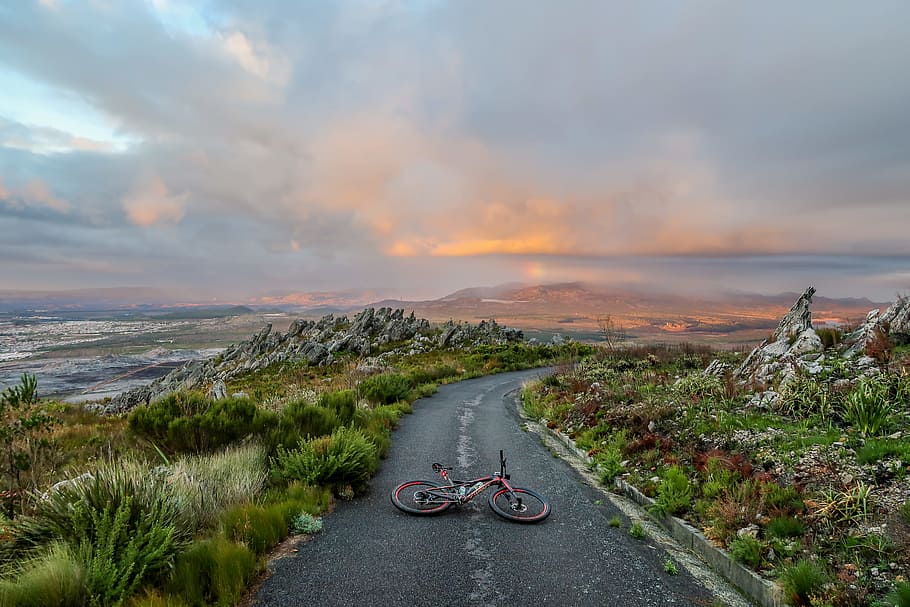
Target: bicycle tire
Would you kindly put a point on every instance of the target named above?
(404, 497)
(534, 507)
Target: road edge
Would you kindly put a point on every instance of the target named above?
(757, 589)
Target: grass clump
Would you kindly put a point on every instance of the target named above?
(51, 579)
(900, 596)
(802, 581)
(258, 527)
(670, 567)
(347, 457)
(785, 527)
(637, 531)
(615, 521)
(746, 550)
(212, 572)
(868, 407)
(207, 484)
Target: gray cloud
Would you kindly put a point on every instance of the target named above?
(363, 144)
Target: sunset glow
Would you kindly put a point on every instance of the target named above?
(429, 146)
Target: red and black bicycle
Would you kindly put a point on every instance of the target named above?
(431, 497)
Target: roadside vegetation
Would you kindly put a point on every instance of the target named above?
(179, 502)
(812, 491)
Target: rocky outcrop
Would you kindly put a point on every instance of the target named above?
(793, 345)
(894, 324)
(318, 343)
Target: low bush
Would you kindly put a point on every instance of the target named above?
(308, 420)
(746, 550)
(305, 522)
(674, 494)
(347, 457)
(212, 572)
(385, 388)
(343, 403)
(118, 553)
(802, 581)
(878, 449)
(785, 527)
(143, 499)
(188, 422)
(51, 579)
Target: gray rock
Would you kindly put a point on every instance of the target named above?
(218, 391)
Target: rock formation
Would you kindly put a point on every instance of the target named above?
(893, 324)
(793, 345)
(317, 343)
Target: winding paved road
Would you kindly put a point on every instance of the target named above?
(370, 553)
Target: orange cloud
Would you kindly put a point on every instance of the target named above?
(151, 203)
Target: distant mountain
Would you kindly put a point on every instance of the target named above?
(194, 313)
(581, 308)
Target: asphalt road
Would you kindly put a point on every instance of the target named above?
(370, 553)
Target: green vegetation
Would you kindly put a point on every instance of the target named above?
(637, 531)
(670, 567)
(813, 472)
(178, 503)
(803, 581)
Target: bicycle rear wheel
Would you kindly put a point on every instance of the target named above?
(525, 506)
(420, 497)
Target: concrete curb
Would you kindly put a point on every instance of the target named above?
(762, 591)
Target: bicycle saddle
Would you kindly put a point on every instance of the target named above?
(438, 467)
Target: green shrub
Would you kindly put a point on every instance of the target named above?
(900, 596)
(717, 477)
(905, 511)
(212, 572)
(258, 527)
(154, 598)
(746, 550)
(188, 422)
(301, 498)
(343, 403)
(52, 579)
(868, 408)
(305, 522)
(309, 420)
(385, 388)
(782, 499)
(637, 531)
(785, 526)
(700, 385)
(806, 395)
(803, 580)
(118, 554)
(674, 494)
(205, 485)
(143, 500)
(609, 457)
(424, 390)
(347, 457)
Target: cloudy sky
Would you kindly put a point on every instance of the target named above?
(234, 149)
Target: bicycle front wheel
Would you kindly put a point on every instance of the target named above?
(420, 497)
(520, 505)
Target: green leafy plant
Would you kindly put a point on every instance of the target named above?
(746, 550)
(637, 530)
(868, 408)
(802, 581)
(305, 522)
(615, 521)
(347, 457)
(670, 567)
(674, 494)
(900, 596)
(25, 424)
(785, 527)
(385, 388)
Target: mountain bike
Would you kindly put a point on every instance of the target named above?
(432, 497)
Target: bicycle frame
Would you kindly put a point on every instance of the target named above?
(451, 493)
